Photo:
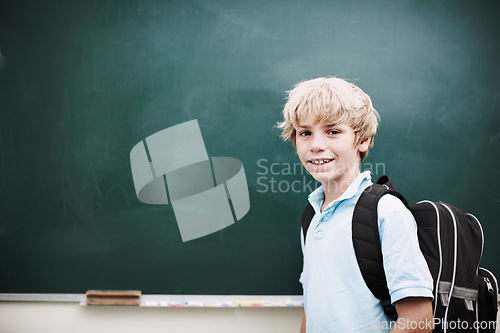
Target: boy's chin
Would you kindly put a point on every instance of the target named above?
(327, 178)
(324, 178)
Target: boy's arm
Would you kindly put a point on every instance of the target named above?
(414, 315)
(408, 278)
(303, 326)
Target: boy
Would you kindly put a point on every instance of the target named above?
(332, 123)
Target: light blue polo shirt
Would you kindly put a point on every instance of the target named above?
(336, 298)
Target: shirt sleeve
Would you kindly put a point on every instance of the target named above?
(405, 267)
(301, 278)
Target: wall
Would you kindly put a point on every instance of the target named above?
(44, 317)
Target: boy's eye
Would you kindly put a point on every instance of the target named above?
(333, 132)
(305, 133)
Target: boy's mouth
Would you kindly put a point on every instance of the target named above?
(321, 161)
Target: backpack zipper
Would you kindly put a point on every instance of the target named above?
(493, 283)
(489, 285)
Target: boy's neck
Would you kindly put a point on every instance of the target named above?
(335, 188)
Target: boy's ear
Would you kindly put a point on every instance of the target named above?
(363, 146)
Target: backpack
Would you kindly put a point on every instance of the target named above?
(465, 295)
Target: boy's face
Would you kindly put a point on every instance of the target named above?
(328, 151)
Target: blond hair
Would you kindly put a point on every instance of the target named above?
(330, 100)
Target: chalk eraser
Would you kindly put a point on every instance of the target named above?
(113, 297)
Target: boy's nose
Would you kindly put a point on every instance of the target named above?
(317, 144)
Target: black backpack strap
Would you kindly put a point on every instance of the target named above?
(366, 240)
(307, 216)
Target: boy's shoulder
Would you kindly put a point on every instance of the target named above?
(390, 205)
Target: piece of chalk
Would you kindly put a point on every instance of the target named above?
(195, 304)
(250, 303)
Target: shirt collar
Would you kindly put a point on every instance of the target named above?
(317, 197)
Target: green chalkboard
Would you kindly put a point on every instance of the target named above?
(82, 82)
